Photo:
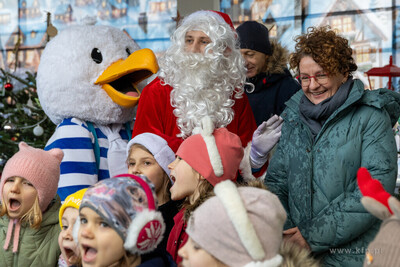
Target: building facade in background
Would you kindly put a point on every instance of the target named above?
(23, 24)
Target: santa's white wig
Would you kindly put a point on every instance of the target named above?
(204, 84)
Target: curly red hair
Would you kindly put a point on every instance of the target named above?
(331, 51)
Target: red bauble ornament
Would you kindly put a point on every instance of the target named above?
(8, 87)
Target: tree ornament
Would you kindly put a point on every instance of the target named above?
(8, 87)
(9, 127)
(14, 139)
(29, 104)
(51, 30)
(38, 130)
(10, 101)
(2, 162)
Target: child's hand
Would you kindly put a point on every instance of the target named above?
(294, 235)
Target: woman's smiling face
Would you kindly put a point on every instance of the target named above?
(315, 91)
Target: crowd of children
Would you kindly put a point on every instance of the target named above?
(117, 221)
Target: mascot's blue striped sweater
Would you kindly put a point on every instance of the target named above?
(79, 166)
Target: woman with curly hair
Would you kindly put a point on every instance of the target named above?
(331, 128)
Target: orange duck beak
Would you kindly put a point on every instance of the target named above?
(120, 79)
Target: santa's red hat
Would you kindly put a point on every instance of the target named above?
(220, 16)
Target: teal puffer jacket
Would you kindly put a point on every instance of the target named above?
(36, 247)
(316, 181)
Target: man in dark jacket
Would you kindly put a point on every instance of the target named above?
(269, 82)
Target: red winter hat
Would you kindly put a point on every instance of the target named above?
(216, 155)
(39, 167)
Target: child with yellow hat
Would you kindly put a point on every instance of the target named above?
(69, 211)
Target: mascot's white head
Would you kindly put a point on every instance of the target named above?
(89, 72)
(204, 84)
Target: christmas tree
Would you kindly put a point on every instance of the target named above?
(21, 116)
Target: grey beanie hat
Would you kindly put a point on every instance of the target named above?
(240, 226)
(157, 146)
(254, 36)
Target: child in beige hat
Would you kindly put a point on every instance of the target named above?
(238, 227)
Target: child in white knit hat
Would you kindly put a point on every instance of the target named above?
(149, 155)
(29, 208)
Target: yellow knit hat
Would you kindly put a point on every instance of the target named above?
(74, 201)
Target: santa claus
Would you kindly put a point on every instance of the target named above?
(202, 74)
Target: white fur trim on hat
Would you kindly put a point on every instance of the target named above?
(75, 229)
(204, 13)
(229, 195)
(273, 262)
(209, 139)
(245, 166)
(136, 226)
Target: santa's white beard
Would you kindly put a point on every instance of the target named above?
(200, 90)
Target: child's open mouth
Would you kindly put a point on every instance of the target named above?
(89, 253)
(172, 178)
(14, 204)
(71, 256)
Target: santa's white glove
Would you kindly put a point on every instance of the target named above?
(264, 139)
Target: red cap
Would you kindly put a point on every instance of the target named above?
(215, 161)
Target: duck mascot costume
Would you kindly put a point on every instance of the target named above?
(87, 85)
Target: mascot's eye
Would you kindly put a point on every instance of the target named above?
(128, 51)
(96, 55)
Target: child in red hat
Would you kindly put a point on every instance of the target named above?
(29, 207)
(202, 161)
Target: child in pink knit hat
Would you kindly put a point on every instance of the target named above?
(203, 160)
(29, 207)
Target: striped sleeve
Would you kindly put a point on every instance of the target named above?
(78, 167)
